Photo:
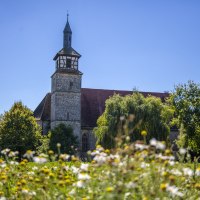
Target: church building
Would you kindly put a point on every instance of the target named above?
(71, 104)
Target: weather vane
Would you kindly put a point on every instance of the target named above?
(67, 15)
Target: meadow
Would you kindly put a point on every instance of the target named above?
(131, 171)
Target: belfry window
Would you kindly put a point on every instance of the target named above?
(68, 63)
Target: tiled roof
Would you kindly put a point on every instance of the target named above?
(43, 111)
(92, 104)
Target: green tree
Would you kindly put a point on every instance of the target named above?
(132, 114)
(19, 130)
(186, 103)
(63, 135)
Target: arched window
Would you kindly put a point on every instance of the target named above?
(85, 143)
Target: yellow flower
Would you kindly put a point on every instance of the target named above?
(61, 183)
(109, 189)
(172, 178)
(107, 151)
(165, 174)
(50, 152)
(163, 186)
(51, 175)
(143, 133)
(23, 182)
(3, 177)
(167, 152)
(197, 186)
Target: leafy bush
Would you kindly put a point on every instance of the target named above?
(63, 135)
(186, 103)
(133, 113)
(19, 130)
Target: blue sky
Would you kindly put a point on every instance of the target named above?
(150, 45)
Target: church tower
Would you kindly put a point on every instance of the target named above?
(66, 86)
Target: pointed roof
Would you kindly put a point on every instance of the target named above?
(67, 28)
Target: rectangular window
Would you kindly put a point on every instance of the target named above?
(68, 63)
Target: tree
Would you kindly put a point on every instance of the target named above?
(186, 103)
(63, 135)
(19, 130)
(133, 113)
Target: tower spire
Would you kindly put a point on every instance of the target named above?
(67, 16)
(67, 40)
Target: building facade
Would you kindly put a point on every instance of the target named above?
(71, 104)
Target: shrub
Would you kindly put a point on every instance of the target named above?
(63, 135)
(19, 130)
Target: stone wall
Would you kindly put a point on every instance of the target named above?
(66, 101)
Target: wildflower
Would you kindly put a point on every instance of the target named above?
(82, 176)
(80, 184)
(25, 191)
(75, 170)
(197, 186)
(12, 154)
(84, 167)
(182, 151)
(163, 186)
(29, 154)
(187, 172)
(14, 163)
(107, 151)
(141, 146)
(5, 151)
(160, 146)
(100, 159)
(176, 172)
(109, 189)
(50, 152)
(172, 178)
(35, 168)
(99, 148)
(72, 192)
(167, 152)
(153, 142)
(130, 185)
(39, 159)
(58, 145)
(144, 165)
(23, 182)
(197, 172)
(64, 156)
(122, 118)
(143, 133)
(174, 191)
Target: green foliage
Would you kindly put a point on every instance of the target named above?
(19, 130)
(186, 103)
(132, 114)
(64, 135)
(44, 141)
